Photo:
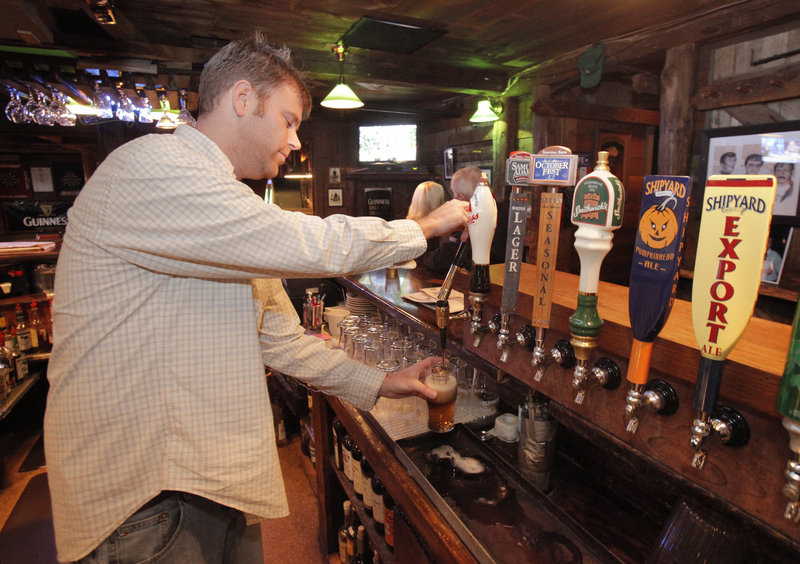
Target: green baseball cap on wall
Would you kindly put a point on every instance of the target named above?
(590, 65)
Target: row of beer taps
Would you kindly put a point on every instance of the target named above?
(730, 253)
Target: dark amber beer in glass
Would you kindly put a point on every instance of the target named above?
(441, 411)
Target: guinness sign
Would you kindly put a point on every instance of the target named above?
(36, 216)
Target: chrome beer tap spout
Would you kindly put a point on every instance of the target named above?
(656, 395)
(791, 489)
(477, 327)
(500, 327)
(605, 372)
(732, 428)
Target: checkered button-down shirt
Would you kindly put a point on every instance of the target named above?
(156, 375)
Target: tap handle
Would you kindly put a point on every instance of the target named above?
(447, 285)
(709, 378)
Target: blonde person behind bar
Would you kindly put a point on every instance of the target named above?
(158, 431)
(463, 185)
(427, 197)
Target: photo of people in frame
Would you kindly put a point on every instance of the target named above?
(777, 244)
(771, 153)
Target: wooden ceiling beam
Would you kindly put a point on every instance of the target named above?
(766, 86)
(562, 109)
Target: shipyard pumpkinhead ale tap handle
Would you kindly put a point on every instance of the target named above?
(789, 407)
(736, 214)
(481, 224)
(654, 277)
(596, 211)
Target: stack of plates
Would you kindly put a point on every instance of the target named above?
(358, 305)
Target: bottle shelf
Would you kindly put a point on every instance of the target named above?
(24, 299)
(378, 541)
(17, 394)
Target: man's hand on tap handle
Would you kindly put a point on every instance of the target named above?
(450, 216)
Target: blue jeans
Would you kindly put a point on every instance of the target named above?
(182, 529)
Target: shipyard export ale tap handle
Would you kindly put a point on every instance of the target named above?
(736, 215)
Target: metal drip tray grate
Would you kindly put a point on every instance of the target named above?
(496, 513)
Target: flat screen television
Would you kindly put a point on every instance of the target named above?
(387, 144)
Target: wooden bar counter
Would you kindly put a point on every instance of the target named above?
(618, 487)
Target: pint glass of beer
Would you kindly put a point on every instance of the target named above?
(441, 411)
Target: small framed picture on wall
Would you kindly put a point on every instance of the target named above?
(334, 197)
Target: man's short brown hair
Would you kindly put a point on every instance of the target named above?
(254, 60)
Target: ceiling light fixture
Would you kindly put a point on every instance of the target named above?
(342, 96)
(486, 112)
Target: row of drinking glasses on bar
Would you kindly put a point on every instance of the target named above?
(371, 340)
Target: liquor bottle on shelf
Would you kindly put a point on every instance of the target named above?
(347, 457)
(48, 322)
(7, 332)
(337, 430)
(358, 477)
(388, 520)
(361, 554)
(342, 532)
(19, 360)
(352, 535)
(5, 374)
(7, 360)
(38, 329)
(366, 476)
(24, 341)
(378, 491)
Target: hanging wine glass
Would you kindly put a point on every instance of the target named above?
(101, 102)
(145, 108)
(166, 121)
(43, 115)
(64, 116)
(14, 108)
(30, 107)
(184, 117)
(125, 109)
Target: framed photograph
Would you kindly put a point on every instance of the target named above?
(759, 149)
(334, 197)
(334, 175)
(449, 164)
(778, 243)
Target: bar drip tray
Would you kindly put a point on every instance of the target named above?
(491, 507)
